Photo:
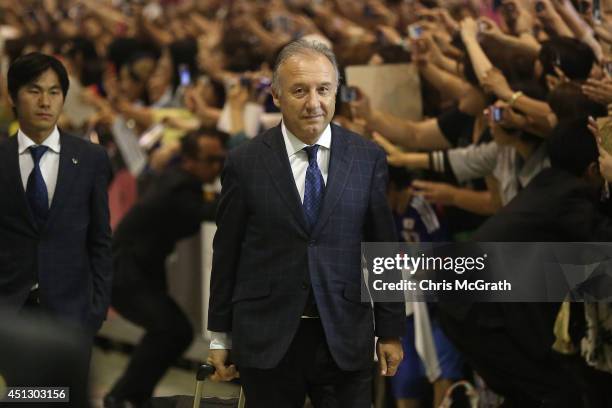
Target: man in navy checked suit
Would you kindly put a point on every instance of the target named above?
(54, 219)
(296, 203)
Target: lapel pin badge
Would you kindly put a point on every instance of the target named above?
(75, 161)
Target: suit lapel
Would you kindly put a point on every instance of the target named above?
(340, 163)
(15, 182)
(67, 173)
(277, 164)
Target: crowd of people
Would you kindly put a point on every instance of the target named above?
(512, 147)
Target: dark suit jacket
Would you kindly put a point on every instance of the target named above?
(555, 207)
(265, 259)
(70, 255)
(172, 209)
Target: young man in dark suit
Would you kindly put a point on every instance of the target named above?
(296, 203)
(54, 219)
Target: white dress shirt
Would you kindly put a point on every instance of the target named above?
(49, 162)
(298, 159)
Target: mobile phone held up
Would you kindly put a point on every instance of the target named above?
(497, 113)
(597, 11)
(348, 94)
(415, 31)
(184, 75)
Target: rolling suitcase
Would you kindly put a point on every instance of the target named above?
(184, 401)
(204, 372)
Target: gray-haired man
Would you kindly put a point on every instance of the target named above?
(296, 204)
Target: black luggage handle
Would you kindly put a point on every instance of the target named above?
(204, 372)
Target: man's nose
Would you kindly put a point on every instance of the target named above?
(312, 100)
(44, 99)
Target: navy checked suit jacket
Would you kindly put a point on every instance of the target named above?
(265, 259)
(70, 255)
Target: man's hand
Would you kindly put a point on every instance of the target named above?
(390, 355)
(509, 118)
(546, 12)
(361, 108)
(605, 159)
(495, 82)
(395, 156)
(598, 91)
(489, 28)
(434, 192)
(223, 372)
(390, 34)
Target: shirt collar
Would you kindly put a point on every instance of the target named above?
(52, 142)
(537, 161)
(294, 145)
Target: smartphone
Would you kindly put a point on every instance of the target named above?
(415, 31)
(557, 60)
(607, 66)
(497, 113)
(245, 82)
(32, 15)
(583, 6)
(368, 11)
(539, 6)
(348, 93)
(597, 11)
(184, 75)
(283, 23)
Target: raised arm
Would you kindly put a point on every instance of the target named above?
(425, 135)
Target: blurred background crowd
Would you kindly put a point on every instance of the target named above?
(507, 88)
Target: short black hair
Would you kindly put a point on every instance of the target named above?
(574, 57)
(572, 147)
(29, 67)
(189, 143)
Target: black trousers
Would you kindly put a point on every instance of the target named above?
(307, 369)
(168, 333)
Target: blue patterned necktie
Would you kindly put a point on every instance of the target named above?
(36, 189)
(313, 188)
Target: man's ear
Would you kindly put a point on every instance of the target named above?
(552, 81)
(275, 99)
(592, 171)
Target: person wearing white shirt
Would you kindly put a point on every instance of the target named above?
(296, 203)
(54, 220)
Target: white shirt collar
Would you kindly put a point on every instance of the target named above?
(52, 142)
(294, 145)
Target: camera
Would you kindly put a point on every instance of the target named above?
(184, 75)
(415, 31)
(497, 113)
(348, 94)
